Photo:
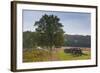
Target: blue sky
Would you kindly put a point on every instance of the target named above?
(74, 22)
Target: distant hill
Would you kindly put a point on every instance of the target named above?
(77, 40)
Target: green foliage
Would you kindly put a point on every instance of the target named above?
(34, 39)
(77, 40)
(29, 39)
(50, 32)
(59, 40)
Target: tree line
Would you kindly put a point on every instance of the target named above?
(31, 40)
(77, 40)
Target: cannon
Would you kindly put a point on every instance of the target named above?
(74, 51)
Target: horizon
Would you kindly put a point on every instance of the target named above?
(64, 33)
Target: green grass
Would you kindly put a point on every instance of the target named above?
(67, 56)
(37, 55)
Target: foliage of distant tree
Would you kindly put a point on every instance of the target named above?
(29, 39)
(77, 40)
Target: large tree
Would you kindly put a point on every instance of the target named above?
(50, 32)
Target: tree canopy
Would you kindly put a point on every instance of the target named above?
(50, 32)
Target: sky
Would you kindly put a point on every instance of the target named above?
(75, 23)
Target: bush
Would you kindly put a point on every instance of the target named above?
(35, 55)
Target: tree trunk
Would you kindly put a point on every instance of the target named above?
(51, 53)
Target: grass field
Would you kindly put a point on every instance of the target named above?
(63, 56)
(37, 55)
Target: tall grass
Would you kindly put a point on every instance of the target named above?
(40, 55)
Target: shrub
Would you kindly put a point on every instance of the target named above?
(35, 55)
